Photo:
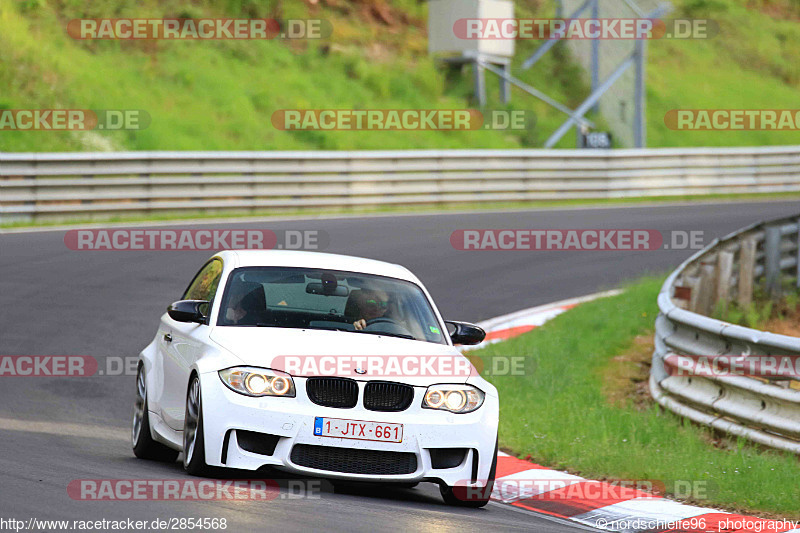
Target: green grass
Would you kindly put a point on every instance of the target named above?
(220, 95)
(753, 63)
(762, 309)
(466, 206)
(561, 416)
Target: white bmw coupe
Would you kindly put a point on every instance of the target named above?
(320, 364)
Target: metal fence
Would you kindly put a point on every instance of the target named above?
(763, 406)
(623, 102)
(61, 186)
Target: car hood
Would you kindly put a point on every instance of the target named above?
(310, 353)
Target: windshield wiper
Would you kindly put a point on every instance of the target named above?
(400, 335)
(335, 328)
(331, 328)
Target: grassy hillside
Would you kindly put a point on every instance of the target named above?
(753, 63)
(220, 95)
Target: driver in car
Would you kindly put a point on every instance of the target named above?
(371, 304)
(247, 305)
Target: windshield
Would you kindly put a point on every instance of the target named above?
(328, 299)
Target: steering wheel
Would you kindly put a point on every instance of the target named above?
(383, 320)
(386, 325)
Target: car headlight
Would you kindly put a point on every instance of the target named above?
(453, 398)
(258, 381)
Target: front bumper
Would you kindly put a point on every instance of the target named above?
(292, 420)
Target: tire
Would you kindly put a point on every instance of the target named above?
(194, 449)
(461, 497)
(144, 447)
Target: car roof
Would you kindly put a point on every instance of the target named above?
(295, 258)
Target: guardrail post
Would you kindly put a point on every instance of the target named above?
(723, 273)
(704, 289)
(747, 265)
(772, 261)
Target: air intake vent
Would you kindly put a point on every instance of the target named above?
(333, 392)
(261, 443)
(353, 461)
(447, 457)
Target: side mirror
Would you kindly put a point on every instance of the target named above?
(188, 311)
(464, 332)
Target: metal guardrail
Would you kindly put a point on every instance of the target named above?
(59, 186)
(765, 410)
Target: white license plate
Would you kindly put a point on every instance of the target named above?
(358, 429)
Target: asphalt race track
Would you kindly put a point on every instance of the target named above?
(56, 301)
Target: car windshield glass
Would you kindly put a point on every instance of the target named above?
(306, 298)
